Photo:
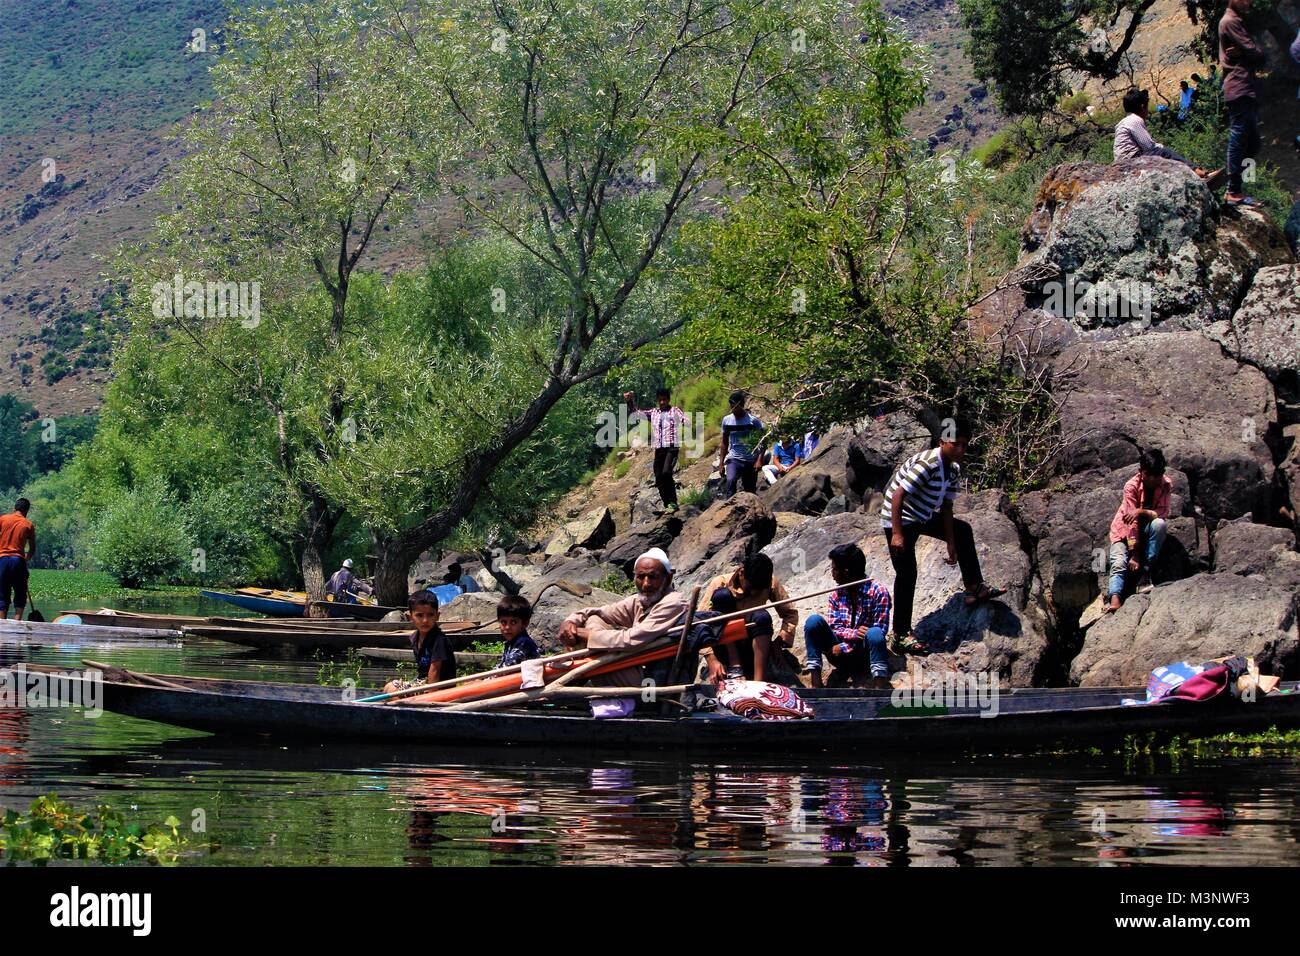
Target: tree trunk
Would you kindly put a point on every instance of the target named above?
(320, 534)
(391, 570)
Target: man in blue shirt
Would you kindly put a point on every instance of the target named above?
(785, 455)
(742, 443)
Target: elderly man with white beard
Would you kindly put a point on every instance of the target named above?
(636, 619)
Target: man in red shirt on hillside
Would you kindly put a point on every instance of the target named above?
(17, 547)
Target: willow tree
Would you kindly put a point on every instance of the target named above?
(318, 133)
(582, 134)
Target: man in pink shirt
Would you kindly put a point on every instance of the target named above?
(667, 428)
(1144, 508)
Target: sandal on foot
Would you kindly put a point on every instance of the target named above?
(985, 593)
(908, 644)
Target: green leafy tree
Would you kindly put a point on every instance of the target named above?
(142, 536)
(842, 284)
(1034, 50)
(16, 464)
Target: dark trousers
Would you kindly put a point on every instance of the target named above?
(742, 472)
(665, 465)
(13, 583)
(1243, 137)
(722, 601)
(904, 561)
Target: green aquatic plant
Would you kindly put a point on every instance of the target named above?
(332, 673)
(53, 829)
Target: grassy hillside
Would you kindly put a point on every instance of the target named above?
(102, 64)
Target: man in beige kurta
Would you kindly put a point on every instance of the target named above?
(637, 619)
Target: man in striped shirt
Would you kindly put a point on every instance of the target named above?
(667, 424)
(918, 501)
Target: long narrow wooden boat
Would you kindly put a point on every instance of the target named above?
(306, 639)
(53, 631)
(847, 721)
(110, 617)
(358, 612)
(276, 607)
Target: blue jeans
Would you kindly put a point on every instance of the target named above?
(1155, 535)
(1243, 137)
(818, 639)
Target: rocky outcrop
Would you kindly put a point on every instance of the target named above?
(659, 532)
(809, 488)
(1008, 636)
(877, 449)
(1144, 242)
(727, 532)
(1175, 391)
(591, 531)
(1257, 550)
(1265, 330)
(1198, 619)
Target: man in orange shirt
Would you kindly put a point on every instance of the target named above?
(17, 547)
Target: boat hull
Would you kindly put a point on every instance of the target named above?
(260, 605)
(847, 721)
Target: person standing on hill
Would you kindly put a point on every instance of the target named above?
(17, 547)
(667, 428)
(1239, 56)
(741, 446)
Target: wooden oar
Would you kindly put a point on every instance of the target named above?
(466, 678)
(571, 655)
(686, 633)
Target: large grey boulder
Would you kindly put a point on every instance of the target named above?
(591, 531)
(730, 529)
(879, 446)
(623, 549)
(1258, 550)
(581, 568)
(1176, 391)
(1141, 242)
(1008, 636)
(1197, 619)
(809, 488)
(1265, 329)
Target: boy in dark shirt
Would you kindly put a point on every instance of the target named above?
(435, 652)
(513, 614)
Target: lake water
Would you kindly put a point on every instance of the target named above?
(265, 803)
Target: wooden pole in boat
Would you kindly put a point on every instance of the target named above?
(584, 652)
(686, 633)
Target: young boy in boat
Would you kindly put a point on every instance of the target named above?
(751, 585)
(853, 631)
(513, 614)
(918, 501)
(435, 652)
(1143, 510)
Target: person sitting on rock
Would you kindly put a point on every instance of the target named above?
(918, 501)
(634, 620)
(458, 576)
(1133, 141)
(1143, 509)
(751, 585)
(853, 631)
(786, 453)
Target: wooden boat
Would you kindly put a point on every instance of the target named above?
(307, 639)
(359, 612)
(847, 721)
(276, 607)
(58, 632)
(388, 655)
(110, 617)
